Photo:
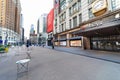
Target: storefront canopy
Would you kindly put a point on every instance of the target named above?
(109, 28)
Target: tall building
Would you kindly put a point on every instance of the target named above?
(33, 38)
(90, 24)
(22, 36)
(38, 24)
(32, 29)
(41, 29)
(18, 17)
(42, 23)
(21, 30)
(9, 21)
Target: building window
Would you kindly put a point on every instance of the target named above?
(115, 4)
(64, 26)
(63, 17)
(70, 11)
(62, 5)
(55, 22)
(70, 1)
(75, 7)
(55, 13)
(90, 13)
(90, 1)
(70, 23)
(60, 28)
(80, 18)
(75, 21)
(60, 19)
(79, 4)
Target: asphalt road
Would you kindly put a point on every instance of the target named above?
(48, 64)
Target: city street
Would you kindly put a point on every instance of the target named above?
(49, 64)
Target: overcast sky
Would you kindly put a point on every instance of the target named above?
(32, 10)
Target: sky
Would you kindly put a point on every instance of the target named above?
(32, 10)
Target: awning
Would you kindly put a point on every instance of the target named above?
(64, 39)
(76, 38)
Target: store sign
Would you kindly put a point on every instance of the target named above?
(99, 7)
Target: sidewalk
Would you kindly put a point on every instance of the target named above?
(49, 64)
(102, 55)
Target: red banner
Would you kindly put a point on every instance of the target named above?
(50, 21)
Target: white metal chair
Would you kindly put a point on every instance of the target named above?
(22, 65)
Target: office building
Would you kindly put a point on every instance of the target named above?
(32, 29)
(41, 29)
(10, 14)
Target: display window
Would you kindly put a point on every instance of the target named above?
(63, 43)
(110, 43)
(75, 43)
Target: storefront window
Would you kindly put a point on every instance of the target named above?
(101, 45)
(63, 43)
(94, 45)
(108, 46)
(110, 43)
(75, 43)
(118, 45)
